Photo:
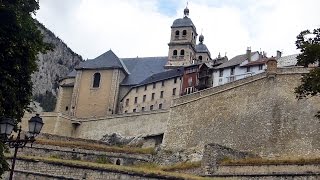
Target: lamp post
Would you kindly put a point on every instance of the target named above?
(6, 127)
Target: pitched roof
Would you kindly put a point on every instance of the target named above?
(107, 60)
(290, 60)
(162, 76)
(142, 68)
(234, 61)
(257, 62)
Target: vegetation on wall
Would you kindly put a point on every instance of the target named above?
(20, 42)
(47, 101)
(308, 42)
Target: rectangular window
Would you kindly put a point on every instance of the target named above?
(174, 91)
(175, 80)
(260, 67)
(161, 94)
(127, 102)
(160, 106)
(232, 71)
(221, 73)
(248, 69)
(134, 110)
(144, 98)
(142, 109)
(154, 85)
(151, 107)
(136, 100)
(152, 96)
(145, 87)
(162, 83)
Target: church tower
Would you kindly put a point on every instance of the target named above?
(182, 43)
(202, 52)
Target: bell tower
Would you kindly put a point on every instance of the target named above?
(182, 45)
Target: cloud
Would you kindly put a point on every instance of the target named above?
(142, 27)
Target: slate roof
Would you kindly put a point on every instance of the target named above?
(141, 68)
(183, 22)
(107, 60)
(257, 62)
(163, 76)
(234, 61)
(202, 48)
(290, 60)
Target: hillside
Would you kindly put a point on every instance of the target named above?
(52, 66)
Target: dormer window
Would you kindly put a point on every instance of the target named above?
(96, 80)
(184, 32)
(182, 52)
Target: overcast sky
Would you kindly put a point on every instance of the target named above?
(142, 27)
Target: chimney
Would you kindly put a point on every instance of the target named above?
(249, 54)
(279, 53)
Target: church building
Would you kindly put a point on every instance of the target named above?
(109, 85)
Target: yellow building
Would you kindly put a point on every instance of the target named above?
(110, 85)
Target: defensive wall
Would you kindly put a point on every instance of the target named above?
(259, 114)
(134, 124)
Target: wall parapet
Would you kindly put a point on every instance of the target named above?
(225, 87)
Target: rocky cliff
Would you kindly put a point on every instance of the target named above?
(52, 66)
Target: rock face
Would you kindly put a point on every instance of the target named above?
(53, 65)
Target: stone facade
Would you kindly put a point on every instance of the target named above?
(258, 114)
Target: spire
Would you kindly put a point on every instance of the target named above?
(186, 11)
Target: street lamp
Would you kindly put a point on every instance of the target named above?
(6, 127)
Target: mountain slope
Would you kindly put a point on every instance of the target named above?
(52, 66)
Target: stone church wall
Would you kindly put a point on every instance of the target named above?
(259, 114)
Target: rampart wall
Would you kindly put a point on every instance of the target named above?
(134, 124)
(259, 114)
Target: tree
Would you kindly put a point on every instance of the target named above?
(309, 45)
(20, 42)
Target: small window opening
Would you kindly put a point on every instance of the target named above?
(184, 32)
(182, 52)
(175, 52)
(96, 80)
(177, 33)
(118, 162)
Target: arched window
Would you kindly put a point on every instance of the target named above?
(182, 52)
(184, 32)
(96, 80)
(175, 52)
(118, 162)
(177, 33)
(200, 58)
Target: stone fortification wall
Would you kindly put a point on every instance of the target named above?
(35, 169)
(134, 124)
(259, 114)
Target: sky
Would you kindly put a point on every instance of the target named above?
(132, 28)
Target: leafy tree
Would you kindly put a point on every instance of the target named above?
(309, 44)
(20, 42)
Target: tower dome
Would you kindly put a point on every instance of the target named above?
(201, 38)
(186, 11)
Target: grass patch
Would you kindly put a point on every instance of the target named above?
(120, 169)
(261, 161)
(174, 167)
(97, 147)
